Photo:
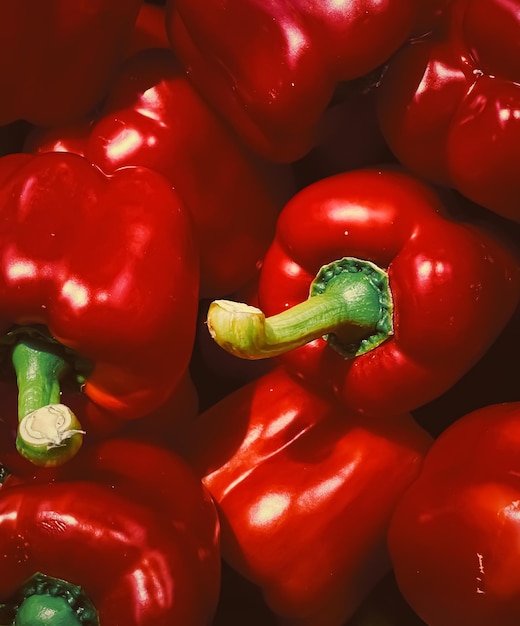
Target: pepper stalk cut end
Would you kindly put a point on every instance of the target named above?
(49, 435)
(350, 305)
(242, 330)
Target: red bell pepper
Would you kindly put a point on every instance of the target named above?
(125, 534)
(404, 298)
(98, 287)
(271, 68)
(57, 57)
(454, 536)
(304, 490)
(448, 103)
(163, 425)
(153, 117)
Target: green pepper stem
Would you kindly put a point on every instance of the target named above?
(48, 432)
(350, 304)
(46, 610)
(47, 601)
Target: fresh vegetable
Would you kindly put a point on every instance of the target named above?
(404, 298)
(304, 490)
(123, 534)
(154, 118)
(57, 57)
(98, 286)
(454, 536)
(161, 426)
(448, 103)
(271, 68)
(179, 166)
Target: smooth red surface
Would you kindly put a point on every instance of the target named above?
(108, 265)
(153, 117)
(454, 536)
(448, 103)
(454, 286)
(271, 67)
(304, 490)
(128, 522)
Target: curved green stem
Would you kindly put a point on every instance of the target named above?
(47, 601)
(350, 303)
(48, 432)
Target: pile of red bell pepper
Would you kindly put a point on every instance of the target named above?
(259, 305)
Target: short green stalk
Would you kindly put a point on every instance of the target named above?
(350, 304)
(48, 432)
(47, 601)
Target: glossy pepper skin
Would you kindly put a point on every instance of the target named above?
(448, 103)
(454, 536)
(57, 57)
(270, 68)
(128, 522)
(153, 117)
(105, 268)
(453, 285)
(304, 490)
